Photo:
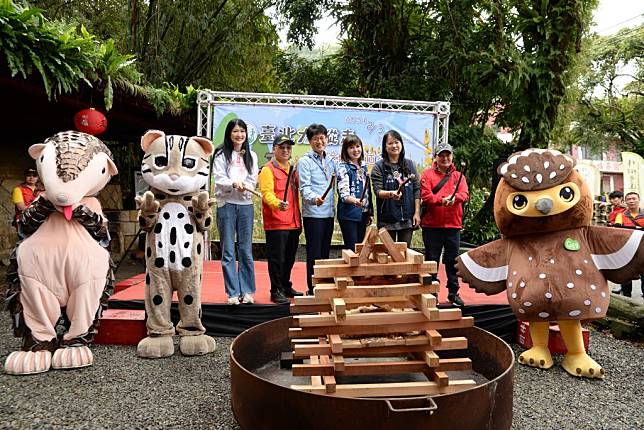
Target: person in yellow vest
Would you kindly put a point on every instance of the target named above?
(278, 183)
(23, 195)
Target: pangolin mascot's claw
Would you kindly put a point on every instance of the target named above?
(62, 268)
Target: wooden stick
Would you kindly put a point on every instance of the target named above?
(367, 184)
(329, 187)
(402, 185)
(288, 181)
(458, 183)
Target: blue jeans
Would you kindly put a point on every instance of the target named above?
(237, 220)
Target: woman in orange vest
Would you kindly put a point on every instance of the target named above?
(282, 220)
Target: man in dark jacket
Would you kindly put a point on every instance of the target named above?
(443, 190)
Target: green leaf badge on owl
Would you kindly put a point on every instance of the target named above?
(571, 244)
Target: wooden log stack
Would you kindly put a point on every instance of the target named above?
(374, 313)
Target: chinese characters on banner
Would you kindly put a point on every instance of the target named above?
(633, 167)
(266, 121)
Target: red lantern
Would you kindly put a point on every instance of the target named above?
(90, 121)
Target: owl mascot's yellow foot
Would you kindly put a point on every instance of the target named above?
(577, 362)
(582, 365)
(539, 354)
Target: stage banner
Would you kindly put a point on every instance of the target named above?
(266, 121)
(633, 168)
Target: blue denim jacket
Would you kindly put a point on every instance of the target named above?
(314, 173)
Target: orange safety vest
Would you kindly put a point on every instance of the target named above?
(289, 219)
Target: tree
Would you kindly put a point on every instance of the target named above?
(221, 44)
(603, 109)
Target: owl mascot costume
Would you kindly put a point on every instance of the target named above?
(552, 262)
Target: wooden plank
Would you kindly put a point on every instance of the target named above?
(431, 358)
(329, 291)
(350, 257)
(298, 332)
(417, 340)
(323, 305)
(449, 314)
(329, 262)
(382, 258)
(386, 239)
(440, 378)
(450, 343)
(312, 369)
(367, 245)
(339, 309)
(426, 303)
(371, 269)
(434, 336)
(454, 364)
(379, 247)
(392, 389)
(336, 343)
(415, 257)
(373, 318)
(342, 282)
(316, 381)
(338, 363)
(306, 350)
(328, 380)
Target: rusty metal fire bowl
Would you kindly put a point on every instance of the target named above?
(260, 403)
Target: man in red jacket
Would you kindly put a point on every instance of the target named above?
(443, 191)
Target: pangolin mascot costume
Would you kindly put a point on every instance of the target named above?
(552, 262)
(61, 271)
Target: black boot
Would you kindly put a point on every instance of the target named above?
(278, 297)
(291, 292)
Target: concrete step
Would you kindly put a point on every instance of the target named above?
(121, 327)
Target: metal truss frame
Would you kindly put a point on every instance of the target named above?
(207, 100)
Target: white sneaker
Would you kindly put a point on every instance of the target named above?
(248, 299)
(233, 300)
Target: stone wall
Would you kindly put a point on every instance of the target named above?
(123, 227)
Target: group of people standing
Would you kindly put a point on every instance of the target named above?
(303, 196)
(628, 215)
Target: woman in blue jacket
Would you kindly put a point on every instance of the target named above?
(354, 203)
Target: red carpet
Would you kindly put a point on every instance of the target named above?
(213, 291)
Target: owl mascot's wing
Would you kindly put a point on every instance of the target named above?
(617, 252)
(485, 268)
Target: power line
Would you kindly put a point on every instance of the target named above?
(639, 15)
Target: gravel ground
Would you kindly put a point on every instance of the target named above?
(123, 391)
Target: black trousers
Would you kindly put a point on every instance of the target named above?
(318, 233)
(353, 231)
(403, 235)
(282, 248)
(448, 241)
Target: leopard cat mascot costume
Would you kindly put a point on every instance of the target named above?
(174, 213)
(552, 262)
(61, 271)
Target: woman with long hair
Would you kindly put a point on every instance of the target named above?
(355, 208)
(397, 198)
(235, 168)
